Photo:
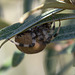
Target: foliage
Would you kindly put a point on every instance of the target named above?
(66, 32)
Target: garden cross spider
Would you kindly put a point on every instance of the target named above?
(35, 39)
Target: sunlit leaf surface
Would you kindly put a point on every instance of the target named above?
(60, 5)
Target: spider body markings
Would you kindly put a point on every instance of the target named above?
(35, 39)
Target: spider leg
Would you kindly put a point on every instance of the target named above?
(14, 42)
(51, 36)
(48, 32)
(57, 30)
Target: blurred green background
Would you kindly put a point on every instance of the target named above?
(48, 62)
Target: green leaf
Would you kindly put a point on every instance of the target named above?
(5, 32)
(12, 30)
(66, 67)
(66, 32)
(17, 58)
(53, 57)
(60, 5)
(70, 29)
(69, 50)
(56, 17)
(51, 60)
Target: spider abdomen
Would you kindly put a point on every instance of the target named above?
(26, 38)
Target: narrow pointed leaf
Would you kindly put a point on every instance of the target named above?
(51, 60)
(17, 58)
(66, 32)
(7, 31)
(56, 17)
(65, 68)
(60, 5)
(14, 29)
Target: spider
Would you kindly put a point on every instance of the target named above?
(35, 39)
